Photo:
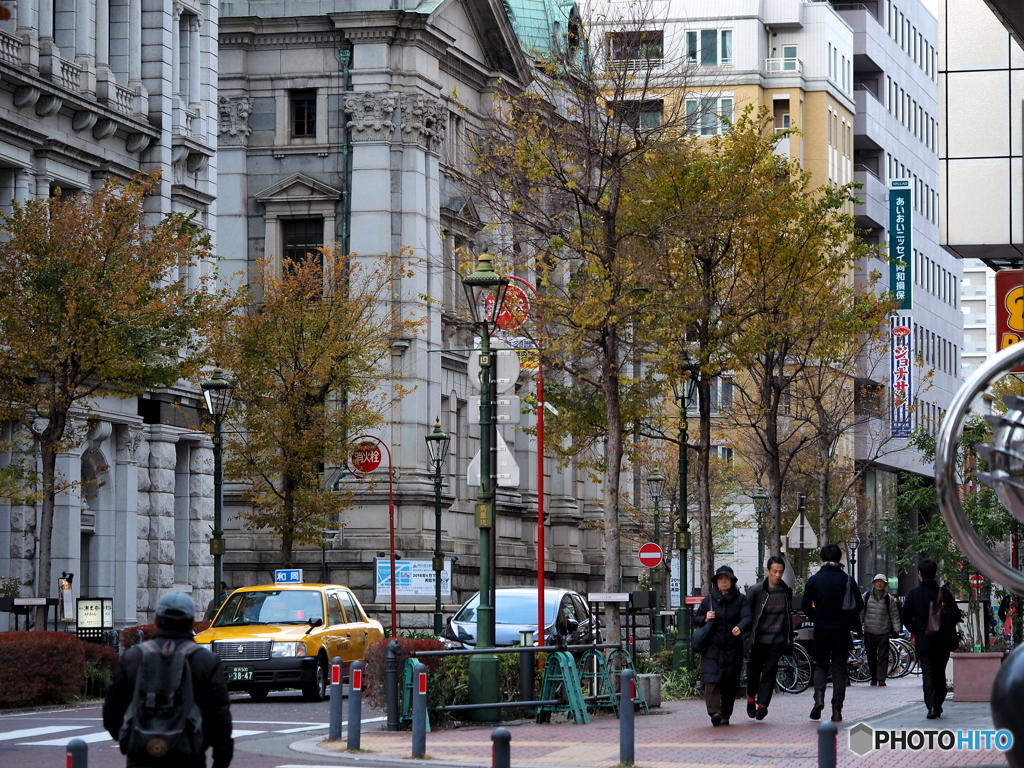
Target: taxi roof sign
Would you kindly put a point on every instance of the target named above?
(288, 576)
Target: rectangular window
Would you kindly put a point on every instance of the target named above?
(709, 47)
(704, 115)
(641, 115)
(789, 59)
(303, 109)
(302, 238)
(643, 49)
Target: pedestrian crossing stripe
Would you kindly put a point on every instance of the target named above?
(88, 738)
(28, 733)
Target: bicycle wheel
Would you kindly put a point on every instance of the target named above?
(794, 673)
(904, 657)
(857, 663)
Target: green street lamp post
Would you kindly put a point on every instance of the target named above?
(485, 292)
(760, 499)
(682, 644)
(655, 487)
(437, 447)
(217, 393)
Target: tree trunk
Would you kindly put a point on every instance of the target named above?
(613, 466)
(48, 442)
(707, 542)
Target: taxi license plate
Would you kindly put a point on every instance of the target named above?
(236, 674)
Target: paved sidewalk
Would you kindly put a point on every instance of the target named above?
(680, 735)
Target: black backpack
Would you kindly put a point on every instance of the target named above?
(163, 724)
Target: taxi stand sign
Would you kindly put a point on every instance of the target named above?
(288, 576)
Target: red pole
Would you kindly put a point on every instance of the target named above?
(391, 525)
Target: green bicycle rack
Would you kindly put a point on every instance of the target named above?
(594, 678)
(627, 663)
(560, 672)
(408, 678)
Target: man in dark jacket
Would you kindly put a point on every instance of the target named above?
(823, 604)
(720, 666)
(932, 650)
(175, 616)
(771, 606)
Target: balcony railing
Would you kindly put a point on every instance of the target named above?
(66, 74)
(785, 66)
(10, 48)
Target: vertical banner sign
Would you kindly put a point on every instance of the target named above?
(1009, 309)
(901, 374)
(901, 206)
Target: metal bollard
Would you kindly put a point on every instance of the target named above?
(501, 752)
(78, 754)
(626, 694)
(527, 676)
(334, 734)
(827, 746)
(391, 683)
(419, 711)
(355, 703)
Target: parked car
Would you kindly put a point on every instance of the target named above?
(282, 636)
(565, 613)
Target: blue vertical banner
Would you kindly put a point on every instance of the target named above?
(901, 249)
(901, 389)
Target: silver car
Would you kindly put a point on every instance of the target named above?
(565, 613)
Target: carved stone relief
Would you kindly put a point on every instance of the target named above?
(371, 115)
(424, 121)
(233, 123)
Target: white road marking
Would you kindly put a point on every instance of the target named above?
(28, 733)
(88, 738)
(304, 728)
(237, 734)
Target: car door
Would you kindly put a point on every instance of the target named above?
(336, 629)
(364, 634)
(583, 631)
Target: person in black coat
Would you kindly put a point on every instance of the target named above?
(932, 650)
(771, 609)
(720, 667)
(823, 604)
(175, 617)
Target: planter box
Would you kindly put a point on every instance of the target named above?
(651, 686)
(973, 675)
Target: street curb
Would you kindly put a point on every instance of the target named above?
(312, 747)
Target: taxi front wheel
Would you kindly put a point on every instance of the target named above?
(317, 690)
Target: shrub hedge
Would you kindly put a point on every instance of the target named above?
(51, 668)
(128, 633)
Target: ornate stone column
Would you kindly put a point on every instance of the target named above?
(126, 540)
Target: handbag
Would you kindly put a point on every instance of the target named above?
(700, 640)
(850, 598)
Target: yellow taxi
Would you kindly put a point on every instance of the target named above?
(284, 636)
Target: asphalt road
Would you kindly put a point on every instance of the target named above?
(263, 732)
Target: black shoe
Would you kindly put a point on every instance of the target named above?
(716, 720)
(875, 682)
(881, 683)
(751, 709)
(725, 721)
(932, 714)
(837, 714)
(938, 711)
(762, 712)
(819, 704)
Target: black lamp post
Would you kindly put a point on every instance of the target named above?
(485, 292)
(217, 393)
(437, 447)
(655, 487)
(682, 643)
(760, 499)
(853, 545)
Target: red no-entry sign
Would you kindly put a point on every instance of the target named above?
(650, 555)
(977, 580)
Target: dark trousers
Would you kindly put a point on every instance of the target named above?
(933, 678)
(877, 649)
(762, 667)
(720, 697)
(826, 659)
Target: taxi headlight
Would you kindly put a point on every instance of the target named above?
(288, 650)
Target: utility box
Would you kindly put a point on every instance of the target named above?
(642, 600)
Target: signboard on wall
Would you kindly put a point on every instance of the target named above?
(901, 249)
(413, 579)
(901, 378)
(1009, 309)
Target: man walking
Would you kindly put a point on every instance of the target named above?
(771, 605)
(175, 616)
(880, 618)
(932, 649)
(823, 604)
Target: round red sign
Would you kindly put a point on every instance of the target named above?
(514, 309)
(650, 555)
(366, 457)
(977, 580)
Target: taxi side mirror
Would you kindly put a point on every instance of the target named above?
(314, 622)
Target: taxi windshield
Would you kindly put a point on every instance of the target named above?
(289, 606)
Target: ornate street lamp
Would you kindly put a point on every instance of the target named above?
(682, 645)
(485, 293)
(655, 487)
(853, 545)
(760, 499)
(217, 392)
(437, 447)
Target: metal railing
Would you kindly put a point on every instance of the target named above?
(789, 65)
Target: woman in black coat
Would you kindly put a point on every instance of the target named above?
(720, 667)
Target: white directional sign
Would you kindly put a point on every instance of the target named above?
(506, 361)
(801, 526)
(508, 470)
(509, 409)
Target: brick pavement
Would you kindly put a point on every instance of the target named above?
(680, 735)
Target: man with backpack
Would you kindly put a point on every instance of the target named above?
(931, 614)
(167, 701)
(880, 618)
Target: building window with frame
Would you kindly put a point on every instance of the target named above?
(707, 116)
(302, 239)
(641, 115)
(709, 47)
(636, 49)
(302, 106)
